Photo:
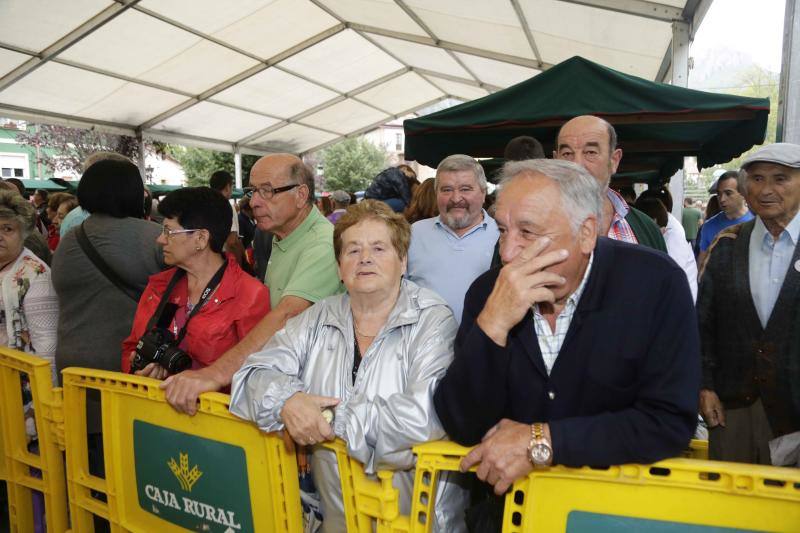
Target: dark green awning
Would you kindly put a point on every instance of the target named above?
(161, 190)
(45, 185)
(657, 124)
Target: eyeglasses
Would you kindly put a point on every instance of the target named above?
(166, 232)
(267, 191)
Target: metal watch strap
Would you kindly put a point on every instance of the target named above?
(538, 440)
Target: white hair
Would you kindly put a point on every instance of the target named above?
(581, 194)
(457, 162)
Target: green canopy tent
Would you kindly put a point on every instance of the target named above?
(162, 190)
(58, 184)
(48, 185)
(657, 124)
(70, 186)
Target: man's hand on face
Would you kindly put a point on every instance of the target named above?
(522, 283)
(502, 457)
(183, 389)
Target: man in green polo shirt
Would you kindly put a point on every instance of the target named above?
(301, 271)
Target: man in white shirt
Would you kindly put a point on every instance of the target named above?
(675, 238)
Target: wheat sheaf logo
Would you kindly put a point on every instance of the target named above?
(186, 477)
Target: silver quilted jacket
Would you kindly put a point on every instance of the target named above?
(388, 409)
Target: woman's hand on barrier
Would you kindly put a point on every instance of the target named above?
(183, 389)
(302, 416)
(153, 370)
(502, 456)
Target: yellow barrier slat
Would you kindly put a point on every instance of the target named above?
(17, 461)
(165, 471)
(4, 467)
(365, 499)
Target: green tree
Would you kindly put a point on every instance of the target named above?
(351, 164)
(759, 83)
(198, 163)
(755, 82)
(65, 148)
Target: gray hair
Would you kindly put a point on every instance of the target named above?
(458, 162)
(581, 194)
(301, 173)
(15, 207)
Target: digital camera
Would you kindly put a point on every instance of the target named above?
(158, 346)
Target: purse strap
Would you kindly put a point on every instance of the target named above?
(90, 251)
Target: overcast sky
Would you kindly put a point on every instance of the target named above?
(753, 27)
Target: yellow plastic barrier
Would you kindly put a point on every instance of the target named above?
(165, 471)
(672, 495)
(367, 501)
(698, 449)
(25, 471)
(373, 504)
(3, 465)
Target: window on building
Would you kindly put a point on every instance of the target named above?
(12, 172)
(398, 142)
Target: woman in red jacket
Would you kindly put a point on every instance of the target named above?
(192, 313)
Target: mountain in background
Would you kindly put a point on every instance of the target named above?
(725, 70)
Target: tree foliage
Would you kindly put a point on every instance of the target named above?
(754, 82)
(198, 163)
(759, 83)
(351, 164)
(65, 148)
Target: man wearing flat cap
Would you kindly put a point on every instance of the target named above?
(747, 305)
(341, 199)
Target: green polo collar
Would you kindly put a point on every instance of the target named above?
(300, 231)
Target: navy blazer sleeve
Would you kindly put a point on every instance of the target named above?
(471, 398)
(663, 416)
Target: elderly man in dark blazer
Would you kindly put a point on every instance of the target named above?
(748, 304)
(579, 350)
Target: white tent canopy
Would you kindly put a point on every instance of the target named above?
(262, 76)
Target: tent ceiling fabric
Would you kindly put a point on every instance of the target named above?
(298, 75)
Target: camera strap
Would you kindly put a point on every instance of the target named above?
(206, 294)
(179, 273)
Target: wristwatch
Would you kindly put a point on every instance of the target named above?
(539, 450)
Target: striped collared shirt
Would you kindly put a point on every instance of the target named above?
(620, 230)
(550, 341)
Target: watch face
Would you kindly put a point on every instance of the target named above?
(540, 453)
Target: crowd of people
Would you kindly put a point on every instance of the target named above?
(556, 322)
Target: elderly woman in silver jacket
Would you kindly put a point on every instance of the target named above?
(373, 356)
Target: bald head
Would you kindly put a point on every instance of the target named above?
(273, 162)
(586, 123)
(592, 143)
(282, 169)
